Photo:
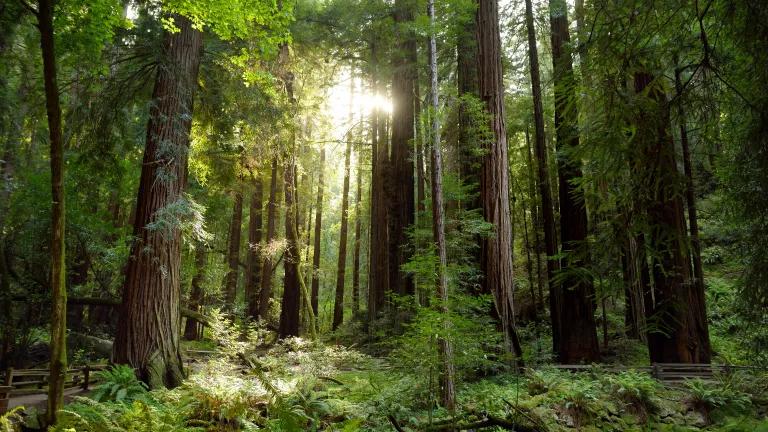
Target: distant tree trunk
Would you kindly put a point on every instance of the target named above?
(265, 293)
(402, 205)
(192, 327)
(318, 235)
(467, 80)
(678, 331)
(578, 334)
(58, 365)
(252, 269)
(379, 258)
(233, 255)
(527, 243)
(341, 266)
(448, 390)
(545, 191)
(421, 194)
(690, 192)
(291, 302)
(358, 231)
(148, 331)
(496, 266)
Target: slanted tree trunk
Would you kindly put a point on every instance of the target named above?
(341, 265)
(447, 387)
(58, 364)
(253, 269)
(578, 334)
(233, 255)
(358, 231)
(318, 234)
(192, 327)
(148, 330)
(402, 205)
(678, 331)
(265, 293)
(496, 265)
(545, 191)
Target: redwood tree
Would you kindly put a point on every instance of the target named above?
(578, 335)
(496, 265)
(341, 265)
(148, 331)
(265, 293)
(233, 255)
(252, 269)
(315, 292)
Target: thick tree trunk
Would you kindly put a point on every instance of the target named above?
(58, 364)
(192, 327)
(578, 335)
(318, 235)
(341, 264)
(447, 387)
(467, 80)
(233, 255)
(690, 192)
(401, 199)
(378, 274)
(253, 269)
(148, 331)
(358, 231)
(265, 293)
(678, 331)
(545, 191)
(496, 265)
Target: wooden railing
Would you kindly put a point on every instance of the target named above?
(666, 372)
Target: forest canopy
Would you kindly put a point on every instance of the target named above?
(383, 215)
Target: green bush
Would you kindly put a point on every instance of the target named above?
(87, 415)
(720, 399)
(636, 390)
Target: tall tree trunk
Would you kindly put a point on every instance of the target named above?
(578, 334)
(526, 237)
(148, 331)
(233, 255)
(678, 331)
(192, 327)
(448, 390)
(291, 302)
(690, 192)
(253, 269)
(496, 265)
(265, 293)
(318, 235)
(58, 365)
(358, 231)
(402, 205)
(378, 274)
(467, 80)
(545, 191)
(421, 194)
(341, 265)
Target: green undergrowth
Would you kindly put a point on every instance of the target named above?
(298, 385)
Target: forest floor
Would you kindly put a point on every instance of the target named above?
(301, 385)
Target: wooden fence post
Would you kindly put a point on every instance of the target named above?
(86, 376)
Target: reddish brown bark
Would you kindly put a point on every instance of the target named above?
(341, 264)
(291, 301)
(677, 324)
(148, 332)
(496, 265)
(318, 233)
(358, 231)
(192, 326)
(576, 303)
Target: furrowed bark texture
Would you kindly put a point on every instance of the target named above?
(496, 264)
(678, 331)
(401, 199)
(148, 332)
(578, 334)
